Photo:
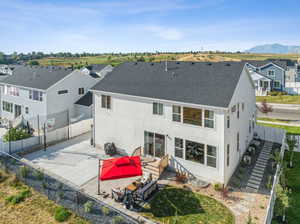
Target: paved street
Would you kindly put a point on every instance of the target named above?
(284, 112)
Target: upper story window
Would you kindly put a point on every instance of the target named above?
(6, 106)
(209, 119)
(192, 116)
(81, 91)
(177, 113)
(158, 108)
(106, 101)
(238, 111)
(271, 73)
(35, 95)
(60, 92)
(11, 90)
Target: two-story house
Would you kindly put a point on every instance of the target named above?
(271, 69)
(35, 90)
(200, 114)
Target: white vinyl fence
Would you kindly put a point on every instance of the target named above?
(64, 133)
(270, 134)
(18, 146)
(270, 208)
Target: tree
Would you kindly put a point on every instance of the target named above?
(265, 107)
(292, 143)
(33, 63)
(283, 201)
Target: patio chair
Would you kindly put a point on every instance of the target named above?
(146, 178)
(117, 194)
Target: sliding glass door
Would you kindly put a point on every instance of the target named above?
(154, 144)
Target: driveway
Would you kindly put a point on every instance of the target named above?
(75, 160)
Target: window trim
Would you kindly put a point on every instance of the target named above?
(104, 103)
(81, 91)
(39, 94)
(228, 155)
(178, 148)
(61, 92)
(159, 108)
(177, 113)
(8, 105)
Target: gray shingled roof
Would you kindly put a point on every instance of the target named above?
(36, 76)
(86, 100)
(280, 63)
(201, 83)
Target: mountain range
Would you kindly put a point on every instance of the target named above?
(274, 49)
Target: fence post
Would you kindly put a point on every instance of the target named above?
(38, 126)
(68, 125)
(45, 143)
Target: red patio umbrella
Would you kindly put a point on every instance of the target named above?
(122, 167)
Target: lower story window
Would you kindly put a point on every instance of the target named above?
(179, 147)
(26, 110)
(276, 84)
(8, 107)
(194, 151)
(211, 156)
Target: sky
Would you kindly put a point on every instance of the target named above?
(143, 25)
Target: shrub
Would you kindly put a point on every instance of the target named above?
(218, 186)
(61, 214)
(15, 134)
(15, 199)
(88, 206)
(14, 182)
(117, 219)
(39, 175)
(105, 210)
(24, 171)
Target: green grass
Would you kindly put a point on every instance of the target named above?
(292, 130)
(293, 181)
(280, 99)
(175, 205)
(272, 120)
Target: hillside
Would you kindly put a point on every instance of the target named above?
(275, 49)
(117, 59)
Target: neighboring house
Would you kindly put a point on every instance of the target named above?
(274, 70)
(200, 114)
(261, 82)
(36, 90)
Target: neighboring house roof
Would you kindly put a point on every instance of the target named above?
(36, 76)
(202, 83)
(258, 64)
(86, 100)
(258, 76)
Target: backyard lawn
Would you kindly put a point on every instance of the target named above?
(293, 181)
(287, 99)
(176, 205)
(292, 130)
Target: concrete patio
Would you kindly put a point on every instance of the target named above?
(75, 160)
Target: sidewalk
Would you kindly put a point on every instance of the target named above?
(278, 123)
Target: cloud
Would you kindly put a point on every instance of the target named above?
(165, 33)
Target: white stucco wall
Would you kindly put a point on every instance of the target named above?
(77, 79)
(244, 93)
(35, 107)
(129, 117)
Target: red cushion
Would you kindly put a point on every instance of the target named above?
(124, 161)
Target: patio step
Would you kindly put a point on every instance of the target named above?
(255, 186)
